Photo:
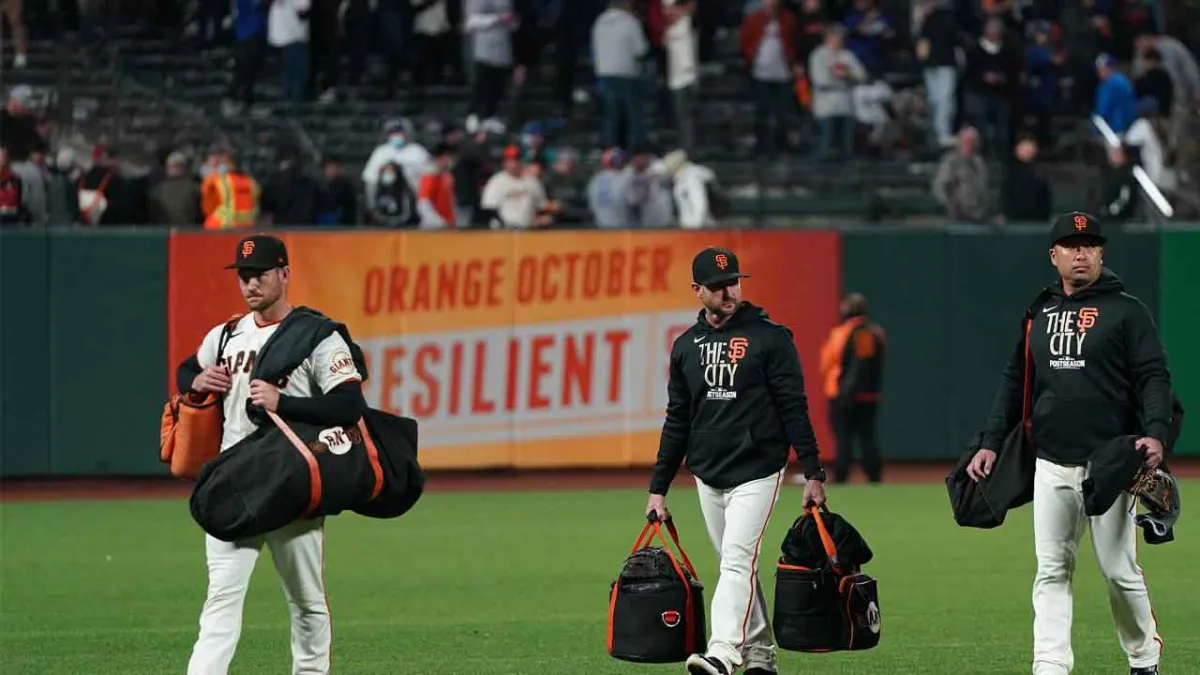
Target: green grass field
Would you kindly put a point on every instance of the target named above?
(497, 583)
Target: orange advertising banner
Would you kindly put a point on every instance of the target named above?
(536, 349)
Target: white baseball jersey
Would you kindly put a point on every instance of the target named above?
(329, 365)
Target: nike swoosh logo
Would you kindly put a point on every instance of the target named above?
(233, 335)
(1051, 308)
(702, 338)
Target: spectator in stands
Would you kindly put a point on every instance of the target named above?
(961, 182)
(651, 203)
(1143, 135)
(991, 82)
(12, 205)
(250, 31)
(435, 47)
(399, 149)
(834, 70)
(289, 196)
(679, 42)
(1042, 71)
(691, 183)
(16, 25)
(1120, 188)
(490, 23)
(1181, 65)
(393, 202)
(937, 47)
(513, 198)
(868, 34)
(619, 45)
(471, 170)
(533, 146)
(19, 135)
(1153, 81)
(325, 49)
(567, 189)
(175, 200)
(62, 198)
(1025, 194)
(768, 46)
(287, 30)
(229, 197)
(1115, 100)
(608, 191)
(572, 40)
(103, 191)
(872, 112)
(435, 194)
(338, 202)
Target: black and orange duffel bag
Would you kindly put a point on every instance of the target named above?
(656, 604)
(824, 602)
(190, 433)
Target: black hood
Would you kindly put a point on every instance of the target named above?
(1108, 282)
(745, 313)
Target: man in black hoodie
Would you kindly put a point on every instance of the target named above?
(1097, 370)
(735, 404)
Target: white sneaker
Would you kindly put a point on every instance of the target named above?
(699, 664)
(19, 61)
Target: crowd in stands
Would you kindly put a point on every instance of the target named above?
(991, 76)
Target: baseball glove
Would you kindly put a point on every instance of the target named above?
(1156, 490)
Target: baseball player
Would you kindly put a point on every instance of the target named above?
(736, 403)
(1098, 372)
(325, 389)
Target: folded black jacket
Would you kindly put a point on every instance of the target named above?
(802, 544)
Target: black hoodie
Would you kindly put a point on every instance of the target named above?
(1099, 372)
(736, 403)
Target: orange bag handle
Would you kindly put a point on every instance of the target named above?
(653, 527)
(826, 540)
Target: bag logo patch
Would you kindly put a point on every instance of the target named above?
(337, 440)
(671, 618)
(873, 618)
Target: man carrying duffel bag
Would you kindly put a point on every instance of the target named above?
(824, 602)
(656, 604)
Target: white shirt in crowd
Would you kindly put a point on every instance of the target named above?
(691, 195)
(516, 199)
(869, 102)
(1142, 135)
(284, 25)
(329, 366)
(680, 40)
(434, 20)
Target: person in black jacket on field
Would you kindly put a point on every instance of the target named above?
(735, 404)
(1098, 371)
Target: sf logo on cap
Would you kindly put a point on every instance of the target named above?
(1081, 223)
(722, 260)
(247, 249)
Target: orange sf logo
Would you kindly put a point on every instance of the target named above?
(737, 349)
(1080, 223)
(722, 260)
(247, 249)
(1087, 318)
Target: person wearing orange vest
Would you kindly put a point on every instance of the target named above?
(229, 198)
(852, 372)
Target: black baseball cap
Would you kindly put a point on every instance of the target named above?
(1076, 224)
(715, 266)
(259, 252)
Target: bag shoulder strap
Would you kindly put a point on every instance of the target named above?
(227, 334)
(653, 528)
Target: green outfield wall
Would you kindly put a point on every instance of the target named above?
(83, 335)
(1180, 324)
(82, 351)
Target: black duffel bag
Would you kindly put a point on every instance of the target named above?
(656, 604)
(286, 471)
(824, 608)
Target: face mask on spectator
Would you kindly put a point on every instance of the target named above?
(387, 178)
(397, 141)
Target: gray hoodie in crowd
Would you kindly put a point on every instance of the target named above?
(619, 43)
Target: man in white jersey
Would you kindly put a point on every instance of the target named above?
(327, 387)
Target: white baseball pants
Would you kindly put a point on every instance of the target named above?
(736, 519)
(298, 552)
(1058, 524)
